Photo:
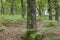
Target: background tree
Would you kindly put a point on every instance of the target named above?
(12, 6)
(49, 9)
(2, 7)
(40, 7)
(23, 8)
(56, 10)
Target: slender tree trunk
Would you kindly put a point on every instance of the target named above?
(23, 9)
(2, 7)
(40, 8)
(56, 10)
(31, 17)
(12, 6)
(49, 9)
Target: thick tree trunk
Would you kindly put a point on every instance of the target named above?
(31, 14)
(49, 9)
(31, 18)
(56, 10)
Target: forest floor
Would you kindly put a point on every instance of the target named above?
(13, 30)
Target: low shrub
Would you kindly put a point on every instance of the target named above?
(49, 23)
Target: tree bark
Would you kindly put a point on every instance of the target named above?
(40, 8)
(12, 6)
(31, 14)
(31, 18)
(56, 10)
(49, 9)
(2, 7)
(23, 9)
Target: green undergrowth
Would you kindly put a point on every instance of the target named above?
(39, 35)
(49, 23)
(10, 18)
(42, 18)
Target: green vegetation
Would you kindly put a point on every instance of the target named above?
(30, 14)
(50, 23)
(10, 18)
(43, 31)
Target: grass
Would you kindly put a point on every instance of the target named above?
(12, 17)
(18, 17)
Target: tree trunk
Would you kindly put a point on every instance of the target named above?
(49, 9)
(56, 10)
(12, 6)
(31, 14)
(40, 8)
(23, 9)
(2, 7)
(31, 17)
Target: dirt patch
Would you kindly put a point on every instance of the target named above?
(13, 30)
